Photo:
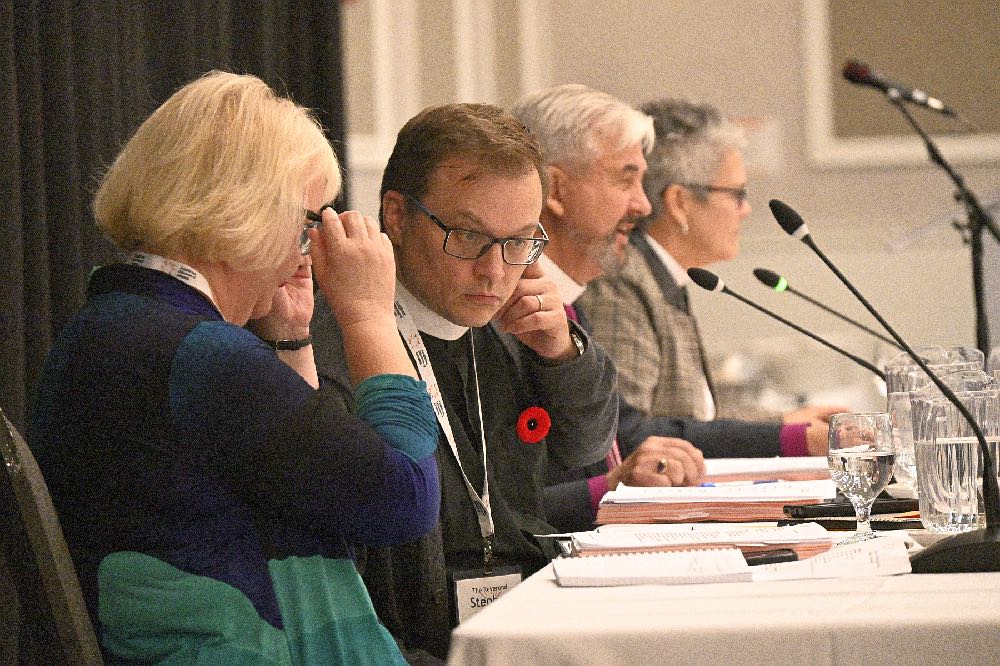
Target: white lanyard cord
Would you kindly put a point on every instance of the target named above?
(415, 344)
(176, 269)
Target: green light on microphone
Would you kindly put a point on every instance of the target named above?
(782, 285)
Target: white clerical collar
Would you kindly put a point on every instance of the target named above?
(426, 320)
(569, 289)
(677, 271)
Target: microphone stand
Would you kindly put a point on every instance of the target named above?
(978, 219)
(857, 359)
(844, 317)
(978, 550)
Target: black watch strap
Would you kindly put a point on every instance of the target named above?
(288, 345)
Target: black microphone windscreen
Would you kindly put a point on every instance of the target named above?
(769, 278)
(789, 220)
(856, 72)
(704, 279)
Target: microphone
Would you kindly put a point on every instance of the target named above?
(780, 284)
(978, 550)
(860, 73)
(710, 281)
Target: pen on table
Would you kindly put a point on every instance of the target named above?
(710, 484)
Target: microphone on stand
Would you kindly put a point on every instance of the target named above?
(862, 74)
(710, 281)
(978, 550)
(780, 284)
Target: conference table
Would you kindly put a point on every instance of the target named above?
(905, 619)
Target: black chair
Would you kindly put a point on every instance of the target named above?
(53, 616)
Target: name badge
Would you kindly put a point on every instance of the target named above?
(474, 591)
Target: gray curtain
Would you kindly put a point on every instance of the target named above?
(78, 78)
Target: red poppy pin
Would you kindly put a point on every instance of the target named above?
(533, 425)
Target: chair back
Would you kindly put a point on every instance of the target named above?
(53, 612)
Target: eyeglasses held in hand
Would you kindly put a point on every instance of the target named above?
(469, 244)
(315, 221)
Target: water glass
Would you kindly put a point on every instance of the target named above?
(949, 458)
(963, 354)
(861, 459)
(993, 362)
(902, 378)
(897, 389)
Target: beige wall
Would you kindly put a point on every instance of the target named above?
(747, 58)
(750, 59)
(949, 47)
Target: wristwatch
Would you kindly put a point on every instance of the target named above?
(288, 345)
(578, 341)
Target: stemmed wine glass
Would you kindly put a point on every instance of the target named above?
(860, 459)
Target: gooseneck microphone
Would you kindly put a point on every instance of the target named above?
(978, 550)
(780, 285)
(710, 281)
(862, 74)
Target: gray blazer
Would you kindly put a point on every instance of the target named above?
(640, 316)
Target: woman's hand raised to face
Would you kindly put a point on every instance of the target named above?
(354, 266)
(291, 307)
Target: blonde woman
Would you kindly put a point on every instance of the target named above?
(209, 489)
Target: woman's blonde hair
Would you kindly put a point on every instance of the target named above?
(218, 173)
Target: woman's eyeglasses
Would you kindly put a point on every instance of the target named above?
(315, 221)
(739, 194)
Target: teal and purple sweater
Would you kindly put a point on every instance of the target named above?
(209, 496)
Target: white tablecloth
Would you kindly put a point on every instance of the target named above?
(910, 619)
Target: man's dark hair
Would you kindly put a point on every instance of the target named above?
(485, 134)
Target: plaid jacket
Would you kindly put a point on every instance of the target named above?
(640, 317)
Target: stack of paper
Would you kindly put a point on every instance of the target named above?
(884, 556)
(690, 566)
(723, 503)
(876, 557)
(807, 468)
(806, 540)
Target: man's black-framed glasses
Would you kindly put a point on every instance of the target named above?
(739, 194)
(469, 244)
(315, 220)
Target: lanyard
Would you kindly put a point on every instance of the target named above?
(415, 344)
(176, 269)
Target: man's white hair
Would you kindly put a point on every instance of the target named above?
(573, 124)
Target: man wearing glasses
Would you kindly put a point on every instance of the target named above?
(696, 185)
(513, 382)
(599, 190)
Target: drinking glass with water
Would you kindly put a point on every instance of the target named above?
(861, 457)
(904, 376)
(949, 459)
